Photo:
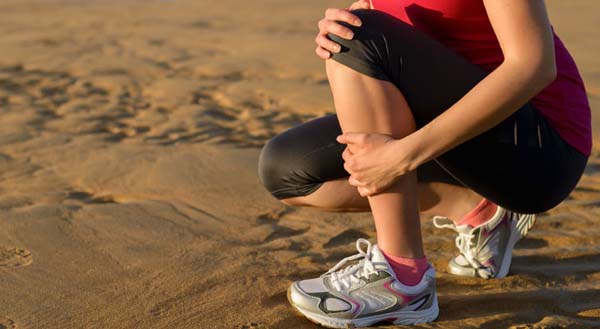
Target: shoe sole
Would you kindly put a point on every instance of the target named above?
(522, 227)
(402, 317)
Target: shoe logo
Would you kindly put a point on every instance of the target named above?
(375, 301)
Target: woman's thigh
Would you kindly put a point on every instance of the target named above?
(521, 164)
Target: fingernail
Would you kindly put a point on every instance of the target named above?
(337, 49)
(357, 22)
(350, 35)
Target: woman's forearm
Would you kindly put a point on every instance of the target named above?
(491, 101)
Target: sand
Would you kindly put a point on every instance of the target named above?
(129, 138)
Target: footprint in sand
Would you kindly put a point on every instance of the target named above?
(346, 237)
(251, 325)
(280, 232)
(6, 323)
(14, 257)
(158, 114)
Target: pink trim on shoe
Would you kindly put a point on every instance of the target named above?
(406, 299)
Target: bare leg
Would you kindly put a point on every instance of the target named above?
(364, 104)
(435, 198)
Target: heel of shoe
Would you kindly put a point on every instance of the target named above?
(429, 314)
(525, 224)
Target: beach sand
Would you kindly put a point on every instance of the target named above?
(129, 196)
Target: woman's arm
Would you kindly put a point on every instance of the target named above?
(523, 30)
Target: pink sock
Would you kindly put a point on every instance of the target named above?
(480, 214)
(409, 271)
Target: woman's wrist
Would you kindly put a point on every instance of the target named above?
(409, 154)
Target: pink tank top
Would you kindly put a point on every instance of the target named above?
(463, 25)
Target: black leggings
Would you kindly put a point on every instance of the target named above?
(521, 164)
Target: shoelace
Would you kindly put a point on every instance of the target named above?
(343, 279)
(465, 242)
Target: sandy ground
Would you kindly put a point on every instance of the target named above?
(129, 136)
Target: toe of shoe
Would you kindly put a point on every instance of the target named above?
(300, 299)
(455, 267)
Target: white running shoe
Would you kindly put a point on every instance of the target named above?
(364, 293)
(486, 250)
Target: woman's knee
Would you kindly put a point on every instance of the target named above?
(368, 51)
(298, 161)
(374, 24)
(270, 166)
(282, 170)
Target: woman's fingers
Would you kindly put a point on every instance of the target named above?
(347, 154)
(353, 181)
(327, 44)
(330, 26)
(362, 4)
(335, 14)
(347, 168)
(365, 191)
(324, 54)
(353, 138)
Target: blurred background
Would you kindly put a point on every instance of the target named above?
(129, 135)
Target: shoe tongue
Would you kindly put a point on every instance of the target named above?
(464, 228)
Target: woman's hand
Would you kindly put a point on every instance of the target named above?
(373, 161)
(325, 46)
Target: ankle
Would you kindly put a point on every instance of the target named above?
(482, 212)
(409, 271)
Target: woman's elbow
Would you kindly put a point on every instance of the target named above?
(540, 71)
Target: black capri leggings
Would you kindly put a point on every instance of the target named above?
(521, 164)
